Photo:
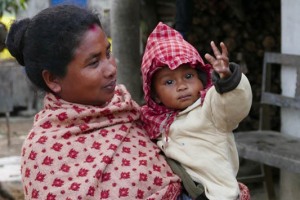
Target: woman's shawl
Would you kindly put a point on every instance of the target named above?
(87, 152)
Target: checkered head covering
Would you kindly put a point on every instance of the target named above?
(166, 47)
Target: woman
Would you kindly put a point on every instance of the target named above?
(87, 142)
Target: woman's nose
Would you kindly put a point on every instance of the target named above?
(110, 69)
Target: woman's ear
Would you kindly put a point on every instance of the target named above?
(51, 81)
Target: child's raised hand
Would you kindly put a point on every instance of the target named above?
(220, 62)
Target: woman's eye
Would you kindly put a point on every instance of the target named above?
(94, 63)
(108, 53)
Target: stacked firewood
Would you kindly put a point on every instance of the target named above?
(248, 28)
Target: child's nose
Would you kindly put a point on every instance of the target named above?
(181, 85)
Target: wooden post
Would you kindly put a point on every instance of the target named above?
(125, 31)
(7, 115)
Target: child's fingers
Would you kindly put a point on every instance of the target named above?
(215, 49)
(213, 61)
(224, 49)
(209, 58)
(224, 58)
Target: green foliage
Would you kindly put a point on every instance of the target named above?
(11, 6)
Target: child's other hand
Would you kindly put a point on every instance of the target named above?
(220, 62)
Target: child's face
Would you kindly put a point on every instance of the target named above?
(91, 75)
(177, 89)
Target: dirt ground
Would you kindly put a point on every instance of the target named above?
(19, 127)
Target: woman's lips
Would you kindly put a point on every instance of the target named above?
(110, 86)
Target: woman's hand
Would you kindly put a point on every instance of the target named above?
(220, 62)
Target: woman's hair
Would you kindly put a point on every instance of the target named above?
(48, 40)
(3, 32)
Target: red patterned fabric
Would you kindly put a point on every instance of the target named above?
(87, 152)
(244, 192)
(166, 46)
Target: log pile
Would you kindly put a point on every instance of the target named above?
(248, 28)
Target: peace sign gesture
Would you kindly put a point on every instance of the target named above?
(220, 61)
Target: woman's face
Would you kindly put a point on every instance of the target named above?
(91, 75)
(178, 88)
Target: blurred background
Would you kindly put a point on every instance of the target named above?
(248, 28)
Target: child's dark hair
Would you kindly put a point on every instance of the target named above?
(48, 40)
(202, 76)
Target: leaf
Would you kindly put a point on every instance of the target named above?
(12, 6)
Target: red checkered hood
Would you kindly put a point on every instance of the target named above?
(166, 46)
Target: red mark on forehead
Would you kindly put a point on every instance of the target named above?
(93, 27)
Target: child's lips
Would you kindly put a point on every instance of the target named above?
(184, 97)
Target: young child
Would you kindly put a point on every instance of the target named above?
(191, 119)
(87, 142)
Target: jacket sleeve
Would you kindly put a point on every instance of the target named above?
(230, 83)
(228, 103)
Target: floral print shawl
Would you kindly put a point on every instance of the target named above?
(86, 152)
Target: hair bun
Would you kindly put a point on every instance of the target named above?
(3, 33)
(14, 40)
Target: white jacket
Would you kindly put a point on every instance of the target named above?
(201, 139)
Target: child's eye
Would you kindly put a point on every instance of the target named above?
(188, 76)
(169, 82)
